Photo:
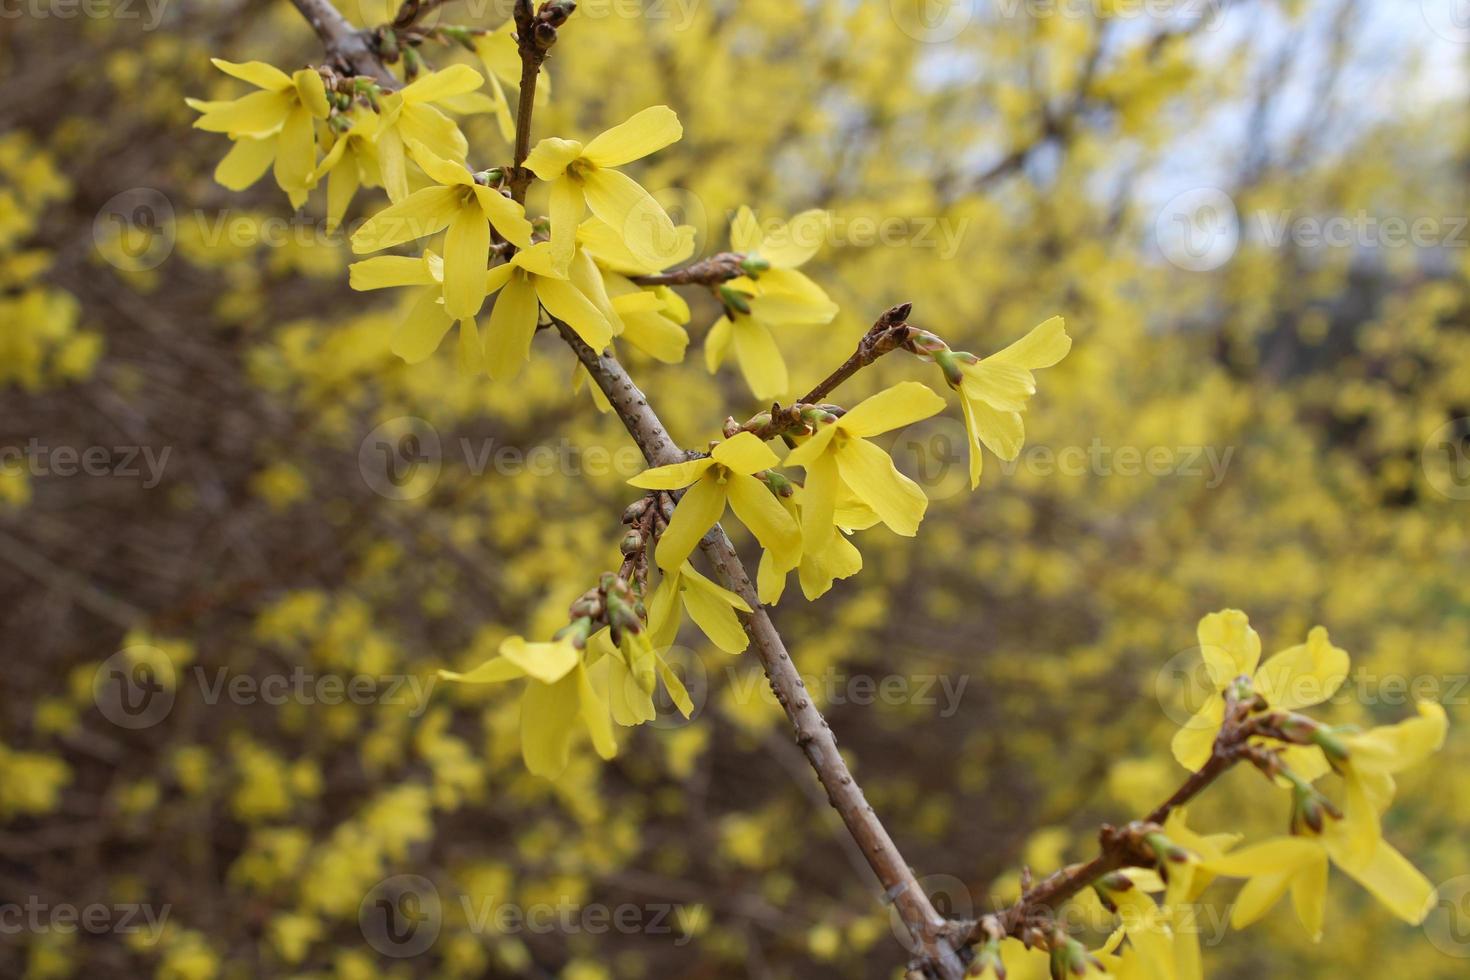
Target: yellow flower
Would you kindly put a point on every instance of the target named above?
(994, 390)
(350, 163)
(711, 607)
(272, 126)
(583, 177)
(839, 455)
(467, 210)
(1297, 677)
(822, 562)
(531, 276)
(424, 322)
(763, 302)
(1372, 759)
(409, 117)
(627, 673)
(652, 317)
(726, 474)
(559, 698)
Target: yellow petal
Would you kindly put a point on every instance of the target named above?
(257, 73)
(814, 446)
(1393, 748)
(770, 582)
(745, 232)
(392, 162)
(466, 257)
(893, 408)
(508, 217)
(567, 303)
(1004, 387)
(760, 511)
(546, 662)
(717, 343)
(420, 330)
(663, 612)
(389, 271)
(493, 671)
(641, 134)
(567, 206)
(311, 92)
(422, 213)
(673, 476)
(295, 164)
(641, 221)
(1044, 346)
(713, 610)
(1001, 432)
(470, 352)
(342, 185)
(1229, 646)
(512, 326)
(549, 158)
(594, 712)
(760, 359)
(1285, 855)
(1309, 895)
(439, 169)
(696, 512)
(548, 712)
(819, 503)
(1195, 741)
(972, 429)
(247, 162)
(1303, 675)
(257, 114)
(678, 693)
(1257, 897)
(1396, 883)
(871, 475)
(436, 85)
(796, 241)
(745, 453)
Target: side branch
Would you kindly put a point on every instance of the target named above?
(345, 44)
(813, 734)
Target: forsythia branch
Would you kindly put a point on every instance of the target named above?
(931, 933)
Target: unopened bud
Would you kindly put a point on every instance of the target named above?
(735, 300)
(779, 485)
(388, 45)
(754, 264)
(632, 542)
(636, 510)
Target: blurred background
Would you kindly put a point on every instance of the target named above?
(238, 536)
